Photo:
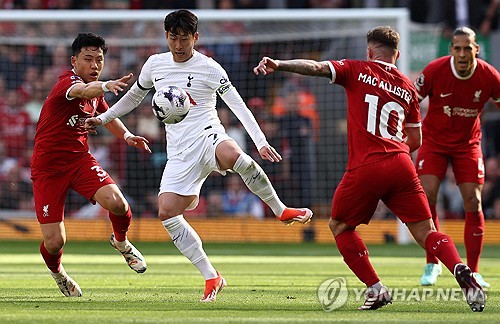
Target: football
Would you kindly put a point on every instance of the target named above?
(171, 104)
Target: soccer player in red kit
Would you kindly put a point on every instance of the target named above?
(383, 121)
(61, 158)
(458, 86)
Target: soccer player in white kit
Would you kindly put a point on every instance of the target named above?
(199, 144)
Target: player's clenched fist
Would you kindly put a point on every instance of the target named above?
(266, 65)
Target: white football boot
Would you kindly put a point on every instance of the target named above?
(134, 258)
(68, 286)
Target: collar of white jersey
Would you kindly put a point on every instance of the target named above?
(386, 63)
(452, 63)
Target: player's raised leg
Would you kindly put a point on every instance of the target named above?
(230, 156)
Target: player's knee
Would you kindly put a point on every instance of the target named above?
(472, 202)
(166, 212)
(335, 226)
(119, 207)
(54, 244)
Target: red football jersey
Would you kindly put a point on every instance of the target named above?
(60, 136)
(381, 103)
(455, 103)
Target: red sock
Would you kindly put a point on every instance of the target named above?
(53, 262)
(355, 255)
(473, 238)
(429, 256)
(443, 248)
(120, 224)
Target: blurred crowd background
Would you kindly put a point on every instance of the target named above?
(302, 118)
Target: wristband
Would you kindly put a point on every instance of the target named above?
(103, 86)
(127, 135)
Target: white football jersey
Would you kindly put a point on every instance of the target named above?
(201, 77)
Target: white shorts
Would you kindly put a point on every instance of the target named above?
(185, 173)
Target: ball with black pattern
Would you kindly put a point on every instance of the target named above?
(171, 104)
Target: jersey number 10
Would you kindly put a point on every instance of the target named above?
(385, 112)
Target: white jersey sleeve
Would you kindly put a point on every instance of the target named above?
(234, 101)
(133, 97)
(219, 81)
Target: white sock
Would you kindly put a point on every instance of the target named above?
(258, 182)
(378, 286)
(189, 243)
(122, 246)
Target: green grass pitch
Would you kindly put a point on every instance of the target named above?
(267, 283)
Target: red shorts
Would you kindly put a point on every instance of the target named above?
(393, 180)
(85, 176)
(468, 166)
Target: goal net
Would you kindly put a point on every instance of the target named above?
(302, 117)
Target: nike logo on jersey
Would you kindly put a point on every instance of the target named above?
(444, 95)
(158, 79)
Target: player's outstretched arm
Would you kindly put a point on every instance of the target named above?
(97, 88)
(268, 65)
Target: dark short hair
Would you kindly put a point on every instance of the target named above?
(385, 36)
(88, 40)
(464, 31)
(181, 20)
